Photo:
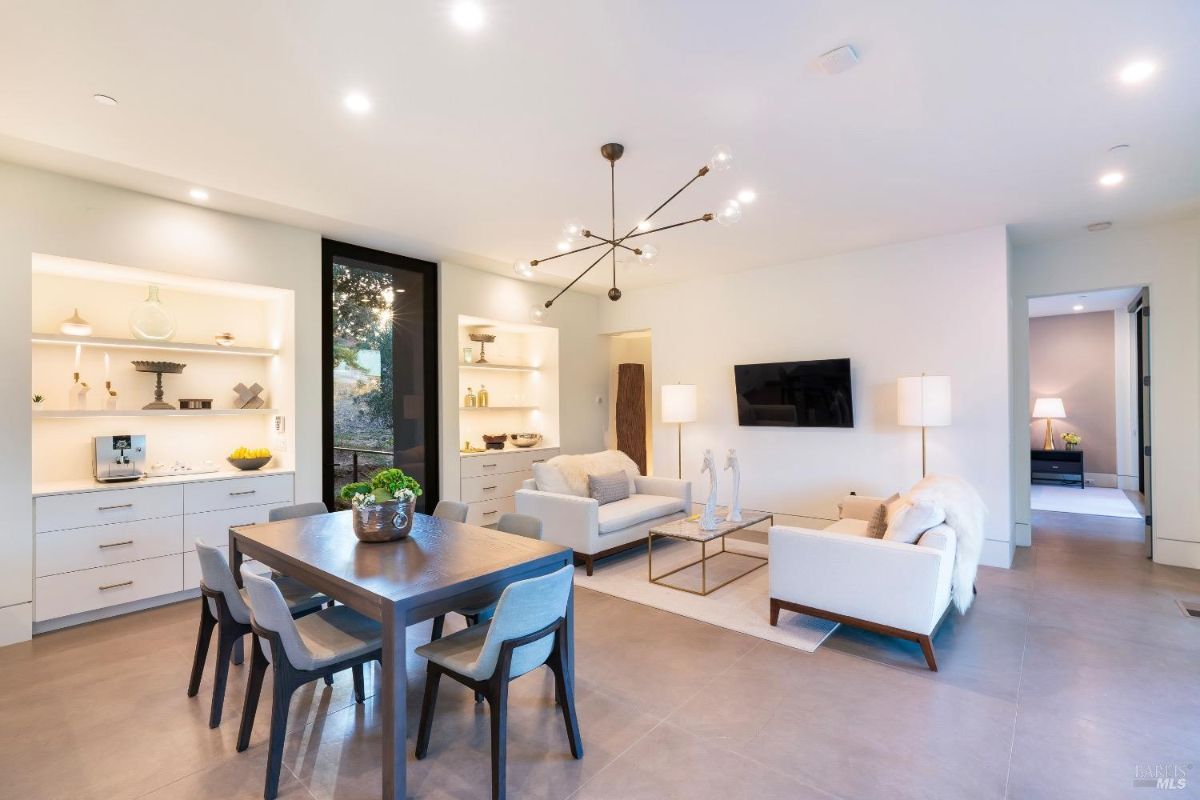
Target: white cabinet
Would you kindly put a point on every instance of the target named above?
(90, 589)
(105, 506)
(489, 480)
(104, 545)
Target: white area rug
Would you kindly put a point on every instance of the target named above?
(1089, 500)
(743, 605)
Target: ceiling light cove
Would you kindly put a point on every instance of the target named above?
(357, 103)
(1112, 179)
(1137, 71)
(468, 15)
(104, 100)
(198, 194)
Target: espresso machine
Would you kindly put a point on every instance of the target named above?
(119, 458)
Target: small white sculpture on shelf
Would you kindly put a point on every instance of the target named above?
(708, 519)
(735, 504)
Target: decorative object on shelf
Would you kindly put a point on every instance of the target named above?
(483, 396)
(39, 402)
(151, 321)
(248, 396)
(75, 325)
(924, 402)
(484, 339)
(1049, 408)
(734, 513)
(110, 394)
(470, 448)
(574, 231)
(1071, 440)
(468, 355)
(79, 396)
(383, 508)
(525, 439)
(708, 518)
(159, 368)
(249, 459)
(678, 407)
(494, 441)
(195, 403)
(469, 400)
(630, 413)
(225, 339)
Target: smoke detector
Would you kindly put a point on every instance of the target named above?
(838, 60)
(1099, 226)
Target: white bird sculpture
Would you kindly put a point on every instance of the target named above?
(735, 504)
(708, 519)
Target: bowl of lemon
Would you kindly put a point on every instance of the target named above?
(249, 458)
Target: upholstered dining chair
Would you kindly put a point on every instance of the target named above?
(451, 509)
(525, 633)
(300, 651)
(296, 511)
(223, 606)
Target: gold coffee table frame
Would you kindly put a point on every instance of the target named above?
(689, 531)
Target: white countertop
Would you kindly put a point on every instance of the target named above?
(91, 485)
(509, 448)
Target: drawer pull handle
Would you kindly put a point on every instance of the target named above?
(114, 508)
(538, 461)
(116, 544)
(489, 489)
(489, 466)
(116, 585)
(489, 513)
(245, 492)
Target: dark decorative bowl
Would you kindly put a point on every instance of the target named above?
(495, 441)
(249, 464)
(384, 522)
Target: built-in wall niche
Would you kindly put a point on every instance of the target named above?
(258, 318)
(520, 376)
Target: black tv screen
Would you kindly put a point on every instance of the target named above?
(795, 394)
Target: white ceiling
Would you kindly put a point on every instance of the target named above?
(960, 115)
(1104, 300)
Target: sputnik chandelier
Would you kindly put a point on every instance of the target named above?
(574, 232)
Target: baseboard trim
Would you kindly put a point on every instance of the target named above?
(1102, 480)
(84, 617)
(16, 624)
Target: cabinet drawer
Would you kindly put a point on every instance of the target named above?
(237, 493)
(488, 512)
(74, 592)
(191, 568)
(1065, 467)
(536, 457)
(85, 509)
(105, 545)
(212, 527)
(492, 487)
(491, 464)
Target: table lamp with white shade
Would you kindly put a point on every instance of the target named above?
(923, 401)
(1049, 408)
(678, 407)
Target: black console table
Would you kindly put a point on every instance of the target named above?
(1064, 467)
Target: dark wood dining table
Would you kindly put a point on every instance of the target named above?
(441, 566)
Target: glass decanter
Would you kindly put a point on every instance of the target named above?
(150, 319)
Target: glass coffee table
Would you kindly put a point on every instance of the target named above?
(689, 530)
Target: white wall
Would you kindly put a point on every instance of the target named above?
(43, 212)
(938, 306)
(1165, 257)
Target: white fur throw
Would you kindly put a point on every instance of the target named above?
(576, 468)
(965, 512)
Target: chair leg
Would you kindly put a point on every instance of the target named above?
(329, 680)
(239, 652)
(281, 700)
(225, 641)
(473, 619)
(439, 623)
(566, 693)
(360, 693)
(258, 669)
(927, 648)
(433, 676)
(203, 637)
(499, 702)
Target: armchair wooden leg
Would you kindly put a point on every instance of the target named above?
(203, 638)
(774, 612)
(926, 643)
(590, 562)
(432, 677)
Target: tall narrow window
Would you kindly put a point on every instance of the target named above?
(380, 364)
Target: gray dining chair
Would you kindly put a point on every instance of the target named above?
(451, 509)
(299, 651)
(525, 633)
(296, 511)
(223, 606)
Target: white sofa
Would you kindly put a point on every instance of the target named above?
(594, 531)
(842, 573)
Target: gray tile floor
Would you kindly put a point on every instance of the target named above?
(1072, 669)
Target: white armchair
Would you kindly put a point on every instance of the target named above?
(594, 531)
(843, 574)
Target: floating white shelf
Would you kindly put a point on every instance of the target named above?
(499, 408)
(138, 344)
(140, 412)
(500, 367)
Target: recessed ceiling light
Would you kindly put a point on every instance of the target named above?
(468, 15)
(1077, 308)
(358, 102)
(104, 99)
(1099, 226)
(198, 194)
(1111, 178)
(747, 196)
(1137, 71)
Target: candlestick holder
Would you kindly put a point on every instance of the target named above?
(110, 398)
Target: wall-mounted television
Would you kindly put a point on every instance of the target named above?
(795, 394)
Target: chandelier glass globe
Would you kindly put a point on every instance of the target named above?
(730, 213)
(523, 268)
(721, 158)
(537, 314)
(572, 231)
(648, 255)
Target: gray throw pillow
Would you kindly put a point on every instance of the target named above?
(609, 488)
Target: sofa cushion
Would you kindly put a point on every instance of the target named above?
(850, 527)
(576, 468)
(636, 509)
(608, 488)
(910, 520)
(550, 479)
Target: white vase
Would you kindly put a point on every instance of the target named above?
(150, 320)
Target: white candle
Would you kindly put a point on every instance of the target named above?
(106, 367)
(77, 350)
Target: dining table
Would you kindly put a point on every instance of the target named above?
(440, 566)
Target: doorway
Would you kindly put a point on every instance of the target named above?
(379, 349)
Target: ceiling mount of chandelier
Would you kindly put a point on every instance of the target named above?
(575, 232)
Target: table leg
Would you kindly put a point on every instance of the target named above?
(393, 696)
(235, 559)
(703, 568)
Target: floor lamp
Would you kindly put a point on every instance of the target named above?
(1049, 408)
(678, 407)
(923, 402)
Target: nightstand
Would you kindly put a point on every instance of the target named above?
(1064, 467)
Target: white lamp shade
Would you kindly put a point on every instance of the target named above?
(923, 401)
(1049, 408)
(679, 403)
